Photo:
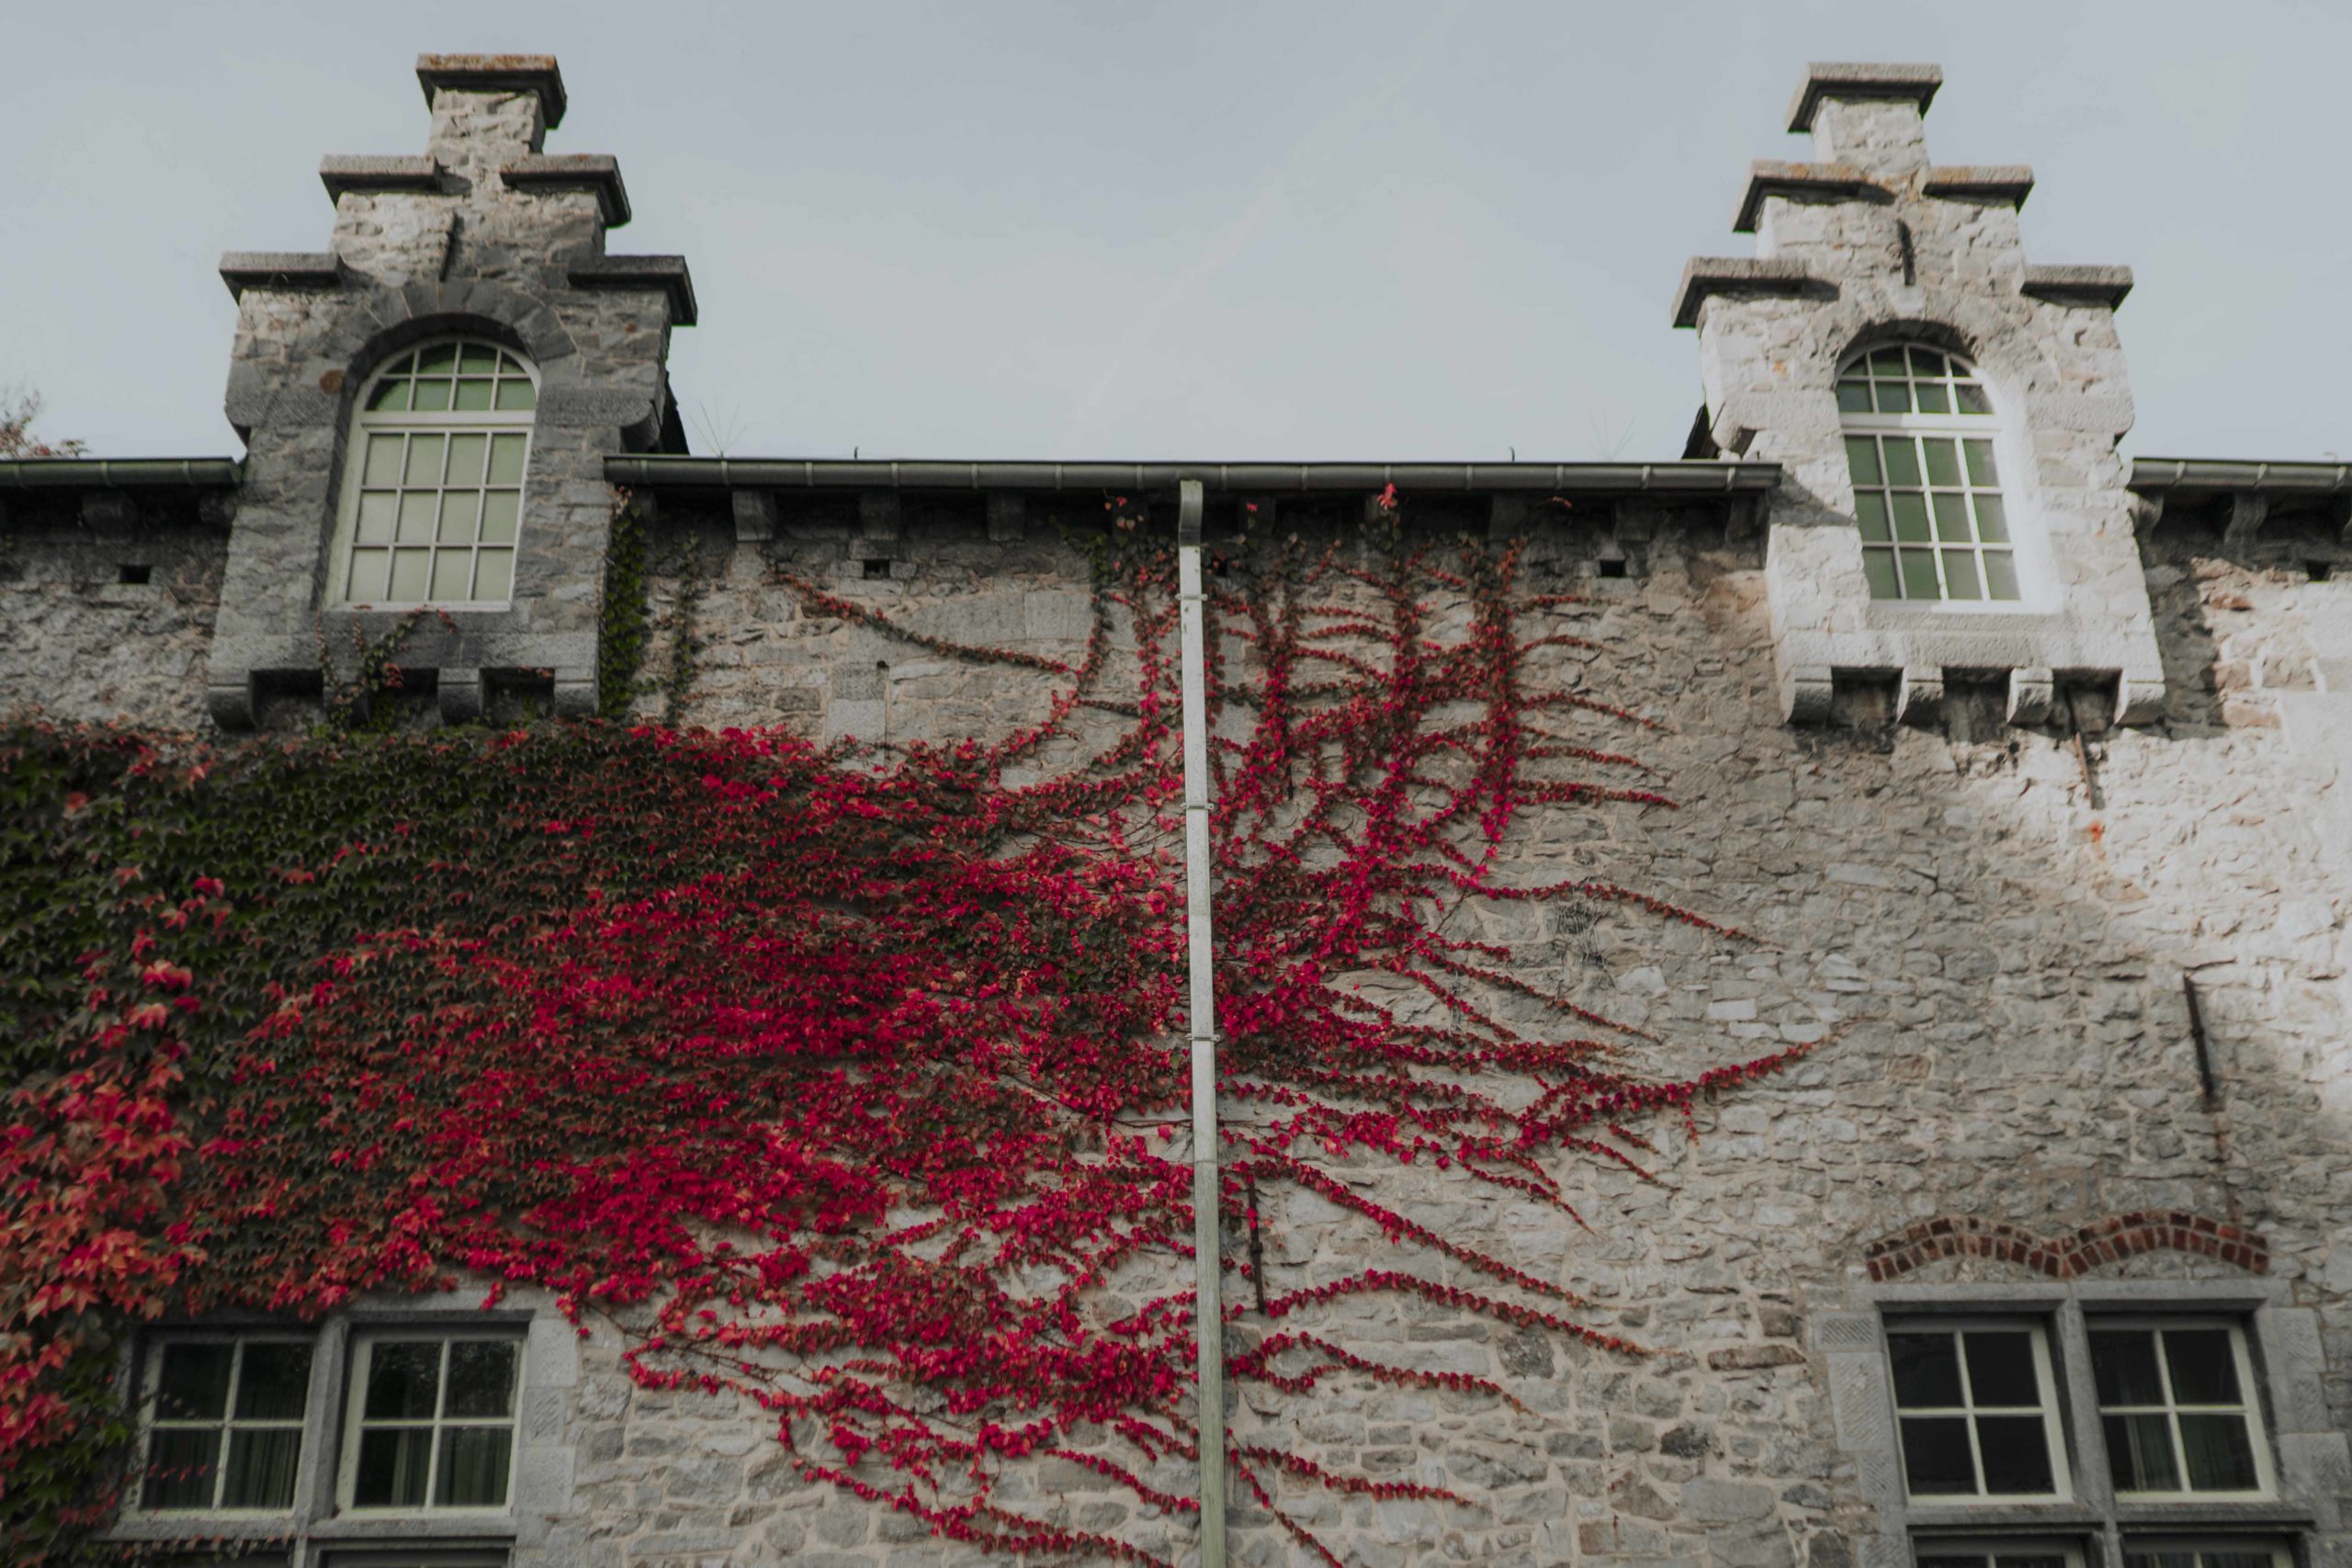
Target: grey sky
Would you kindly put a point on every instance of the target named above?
(1393, 230)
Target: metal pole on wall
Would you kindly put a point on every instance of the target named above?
(1207, 1309)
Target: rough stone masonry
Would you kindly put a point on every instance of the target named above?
(2058, 884)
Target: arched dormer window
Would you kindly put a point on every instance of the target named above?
(433, 489)
(1919, 437)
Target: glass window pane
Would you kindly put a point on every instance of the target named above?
(1992, 519)
(1960, 575)
(482, 1377)
(409, 568)
(2204, 1368)
(453, 575)
(516, 394)
(2124, 1365)
(1919, 575)
(1948, 1559)
(1870, 512)
(383, 460)
(473, 395)
(1902, 460)
(179, 1467)
(1853, 396)
(1887, 362)
(498, 510)
(369, 571)
(262, 1461)
(2017, 1454)
(1933, 397)
(2220, 1457)
(2029, 1560)
(1862, 456)
(461, 511)
(1895, 397)
(466, 455)
(1936, 1460)
(1943, 459)
(1952, 517)
(193, 1382)
(1925, 361)
(417, 507)
(1878, 566)
(1927, 1370)
(442, 358)
(1980, 467)
(2000, 575)
(391, 1469)
(506, 460)
(2138, 1453)
(2239, 1560)
(423, 467)
(1972, 398)
(403, 1379)
(432, 396)
(1910, 515)
(473, 1467)
(2159, 1559)
(375, 509)
(493, 575)
(389, 395)
(274, 1383)
(479, 358)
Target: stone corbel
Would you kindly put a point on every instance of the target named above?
(2139, 696)
(2248, 510)
(1919, 694)
(1008, 518)
(1805, 691)
(575, 696)
(756, 515)
(459, 692)
(231, 701)
(2030, 693)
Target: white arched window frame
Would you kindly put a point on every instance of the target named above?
(1921, 442)
(432, 499)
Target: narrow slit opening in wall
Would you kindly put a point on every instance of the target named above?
(2319, 570)
(135, 573)
(875, 569)
(1611, 567)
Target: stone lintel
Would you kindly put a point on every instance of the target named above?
(1770, 178)
(1848, 79)
(494, 73)
(2077, 285)
(666, 274)
(2007, 183)
(597, 172)
(241, 270)
(370, 173)
(1703, 276)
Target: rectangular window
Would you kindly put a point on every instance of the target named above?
(431, 1421)
(2176, 1409)
(1932, 521)
(224, 1424)
(437, 516)
(1931, 1552)
(1974, 1406)
(2161, 1552)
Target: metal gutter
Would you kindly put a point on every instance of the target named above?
(1681, 478)
(2160, 475)
(122, 473)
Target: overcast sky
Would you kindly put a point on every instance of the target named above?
(1199, 230)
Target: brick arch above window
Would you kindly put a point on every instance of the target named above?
(2066, 1255)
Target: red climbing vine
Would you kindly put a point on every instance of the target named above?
(846, 1082)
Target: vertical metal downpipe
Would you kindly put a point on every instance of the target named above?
(1207, 1309)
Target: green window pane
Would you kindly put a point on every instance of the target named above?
(393, 1462)
(498, 510)
(2016, 1455)
(383, 460)
(1946, 1560)
(1936, 1460)
(403, 1376)
(2030, 1560)
(2161, 1560)
(482, 1378)
(423, 465)
(509, 364)
(389, 395)
(506, 459)
(180, 1463)
(473, 396)
(377, 510)
(1981, 469)
(516, 393)
(1887, 362)
(2138, 1453)
(1933, 399)
(1972, 398)
(2220, 1457)
(416, 516)
(1853, 396)
(1925, 361)
(1878, 566)
(1992, 519)
(460, 511)
(2123, 1367)
(1919, 575)
(432, 396)
(467, 454)
(193, 1382)
(2204, 1369)
(1894, 396)
(494, 576)
(274, 1383)
(477, 359)
(369, 569)
(453, 575)
(2000, 1362)
(1926, 1371)
(1951, 516)
(409, 568)
(1959, 583)
(261, 1463)
(1870, 512)
(1862, 456)
(474, 1463)
(1943, 459)
(1910, 515)
(1902, 460)
(441, 357)
(2000, 575)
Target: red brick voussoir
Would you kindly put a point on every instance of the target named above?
(2070, 1254)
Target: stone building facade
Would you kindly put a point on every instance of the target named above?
(2032, 761)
